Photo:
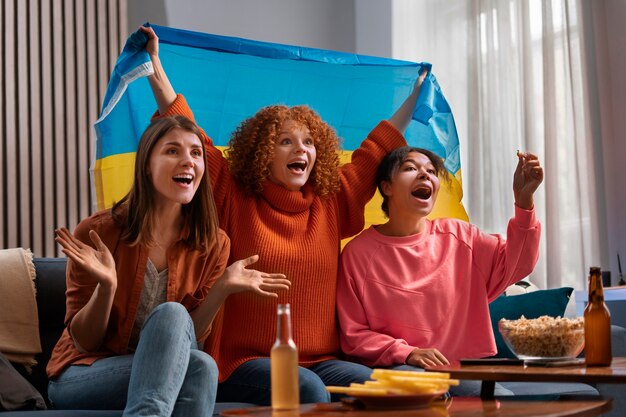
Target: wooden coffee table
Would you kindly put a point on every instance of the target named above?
(453, 407)
(490, 374)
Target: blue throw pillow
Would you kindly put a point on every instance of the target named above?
(531, 305)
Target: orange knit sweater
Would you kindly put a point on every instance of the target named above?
(296, 233)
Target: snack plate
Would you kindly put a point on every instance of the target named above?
(398, 400)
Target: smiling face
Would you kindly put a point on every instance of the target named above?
(294, 156)
(176, 166)
(413, 187)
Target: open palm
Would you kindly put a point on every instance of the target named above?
(238, 278)
(98, 263)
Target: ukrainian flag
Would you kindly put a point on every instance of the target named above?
(226, 80)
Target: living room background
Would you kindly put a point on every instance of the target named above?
(56, 64)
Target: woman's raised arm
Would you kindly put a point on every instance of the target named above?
(162, 89)
(88, 327)
(402, 117)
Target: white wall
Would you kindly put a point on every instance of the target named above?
(326, 24)
(373, 27)
(142, 11)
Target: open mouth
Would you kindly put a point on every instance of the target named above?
(298, 166)
(423, 193)
(183, 178)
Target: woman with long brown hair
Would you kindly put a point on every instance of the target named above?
(144, 282)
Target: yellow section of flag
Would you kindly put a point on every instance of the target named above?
(115, 176)
(115, 173)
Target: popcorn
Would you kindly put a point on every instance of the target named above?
(544, 337)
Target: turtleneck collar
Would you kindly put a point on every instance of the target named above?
(285, 200)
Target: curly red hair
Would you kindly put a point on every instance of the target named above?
(251, 148)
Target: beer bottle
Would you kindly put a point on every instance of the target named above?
(284, 364)
(597, 323)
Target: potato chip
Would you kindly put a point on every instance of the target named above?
(356, 390)
(397, 382)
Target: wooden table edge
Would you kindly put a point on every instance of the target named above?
(600, 406)
(490, 374)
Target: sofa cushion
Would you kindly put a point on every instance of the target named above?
(50, 283)
(531, 305)
(16, 393)
(219, 407)
(65, 413)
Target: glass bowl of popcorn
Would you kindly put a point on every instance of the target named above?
(544, 338)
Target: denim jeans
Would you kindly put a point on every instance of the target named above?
(166, 376)
(251, 381)
(466, 388)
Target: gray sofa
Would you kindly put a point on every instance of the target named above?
(50, 284)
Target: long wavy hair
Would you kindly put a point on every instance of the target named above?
(200, 219)
(392, 162)
(251, 148)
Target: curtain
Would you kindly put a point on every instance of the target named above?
(524, 88)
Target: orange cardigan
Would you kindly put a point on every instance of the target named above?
(296, 233)
(190, 277)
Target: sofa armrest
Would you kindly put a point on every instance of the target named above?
(618, 341)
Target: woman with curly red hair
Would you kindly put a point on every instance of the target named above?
(282, 195)
(253, 145)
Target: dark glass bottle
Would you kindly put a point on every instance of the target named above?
(597, 323)
(284, 364)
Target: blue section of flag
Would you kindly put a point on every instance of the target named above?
(226, 80)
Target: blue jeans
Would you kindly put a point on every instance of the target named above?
(466, 388)
(167, 375)
(251, 383)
